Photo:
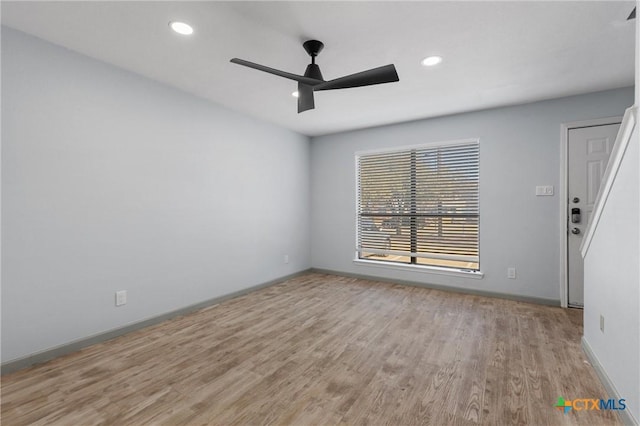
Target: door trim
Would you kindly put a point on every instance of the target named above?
(563, 197)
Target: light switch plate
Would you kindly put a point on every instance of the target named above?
(545, 190)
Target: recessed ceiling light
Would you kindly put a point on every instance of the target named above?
(295, 94)
(431, 61)
(181, 27)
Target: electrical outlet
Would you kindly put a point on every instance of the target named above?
(511, 273)
(121, 297)
(601, 323)
(286, 258)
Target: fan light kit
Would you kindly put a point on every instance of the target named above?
(181, 27)
(312, 80)
(431, 61)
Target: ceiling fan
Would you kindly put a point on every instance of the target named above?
(312, 80)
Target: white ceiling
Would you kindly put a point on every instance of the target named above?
(495, 53)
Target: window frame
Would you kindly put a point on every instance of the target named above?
(444, 270)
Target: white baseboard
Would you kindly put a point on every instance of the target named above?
(625, 415)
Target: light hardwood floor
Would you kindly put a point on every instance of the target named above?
(323, 349)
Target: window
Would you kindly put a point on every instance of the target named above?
(420, 205)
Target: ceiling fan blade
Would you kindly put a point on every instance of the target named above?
(305, 98)
(298, 78)
(384, 74)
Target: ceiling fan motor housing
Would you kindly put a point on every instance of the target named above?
(313, 71)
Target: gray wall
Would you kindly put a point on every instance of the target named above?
(611, 283)
(612, 276)
(111, 181)
(519, 149)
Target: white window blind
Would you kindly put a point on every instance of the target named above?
(420, 206)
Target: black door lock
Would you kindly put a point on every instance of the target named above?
(575, 215)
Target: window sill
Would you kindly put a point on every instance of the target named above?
(419, 268)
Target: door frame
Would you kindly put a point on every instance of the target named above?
(563, 197)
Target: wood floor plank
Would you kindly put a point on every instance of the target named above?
(323, 349)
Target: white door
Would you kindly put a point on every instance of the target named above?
(588, 153)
